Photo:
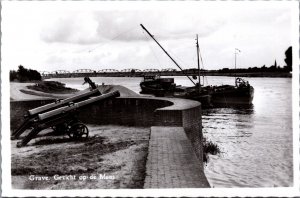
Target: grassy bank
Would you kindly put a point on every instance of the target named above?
(51, 87)
(114, 151)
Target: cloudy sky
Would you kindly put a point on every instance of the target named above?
(49, 36)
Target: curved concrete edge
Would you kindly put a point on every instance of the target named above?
(180, 104)
(175, 103)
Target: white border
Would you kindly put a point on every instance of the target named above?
(295, 94)
(289, 192)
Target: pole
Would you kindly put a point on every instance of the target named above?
(166, 53)
(235, 64)
(235, 53)
(197, 44)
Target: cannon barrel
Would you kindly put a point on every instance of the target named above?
(59, 103)
(78, 105)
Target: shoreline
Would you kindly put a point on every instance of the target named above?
(142, 74)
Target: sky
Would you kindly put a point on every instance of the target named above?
(70, 35)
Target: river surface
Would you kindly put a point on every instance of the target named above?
(256, 142)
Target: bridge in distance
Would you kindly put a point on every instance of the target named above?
(152, 72)
(130, 72)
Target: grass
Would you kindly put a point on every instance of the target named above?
(56, 161)
(209, 148)
(119, 151)
(51, 87)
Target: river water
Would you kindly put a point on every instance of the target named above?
(256, 142)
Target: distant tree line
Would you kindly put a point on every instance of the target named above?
(23, 74)
(273, 68)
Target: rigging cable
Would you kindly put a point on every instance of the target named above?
(114, 38)
(202, 67)
(89, 50)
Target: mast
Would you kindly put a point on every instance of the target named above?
(167, 53)
(199, 87)
(235, 64)
(235, 53)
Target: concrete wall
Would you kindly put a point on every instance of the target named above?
(19, 108)
(187, 114)
(192, 124)
(134, 111)
(120, 111)
(124, 111)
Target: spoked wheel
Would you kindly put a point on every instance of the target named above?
(77, 131)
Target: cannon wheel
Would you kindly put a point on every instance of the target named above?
(77, 131)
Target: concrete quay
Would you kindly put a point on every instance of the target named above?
(175, 148)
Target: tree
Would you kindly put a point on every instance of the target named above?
(288, 59)
(13, 75)
(24, 74)
(34, 75)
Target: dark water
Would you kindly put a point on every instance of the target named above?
(256, 142)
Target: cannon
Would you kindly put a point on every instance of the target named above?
(90, 82)
(32, 114)
(63, 119)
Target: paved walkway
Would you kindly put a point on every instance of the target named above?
(172, 162)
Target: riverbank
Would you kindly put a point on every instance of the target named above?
(252, 74)
(82, 159)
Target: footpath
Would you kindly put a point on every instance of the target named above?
(172, 162)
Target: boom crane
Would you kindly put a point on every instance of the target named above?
(167, 53)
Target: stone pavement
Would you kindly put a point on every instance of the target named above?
(171, 161)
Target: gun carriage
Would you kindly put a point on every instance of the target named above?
(61, 116)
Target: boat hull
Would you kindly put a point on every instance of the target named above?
(238, 96)
(158, 87)
(209, 96)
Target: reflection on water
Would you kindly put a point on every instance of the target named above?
(255, 141)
